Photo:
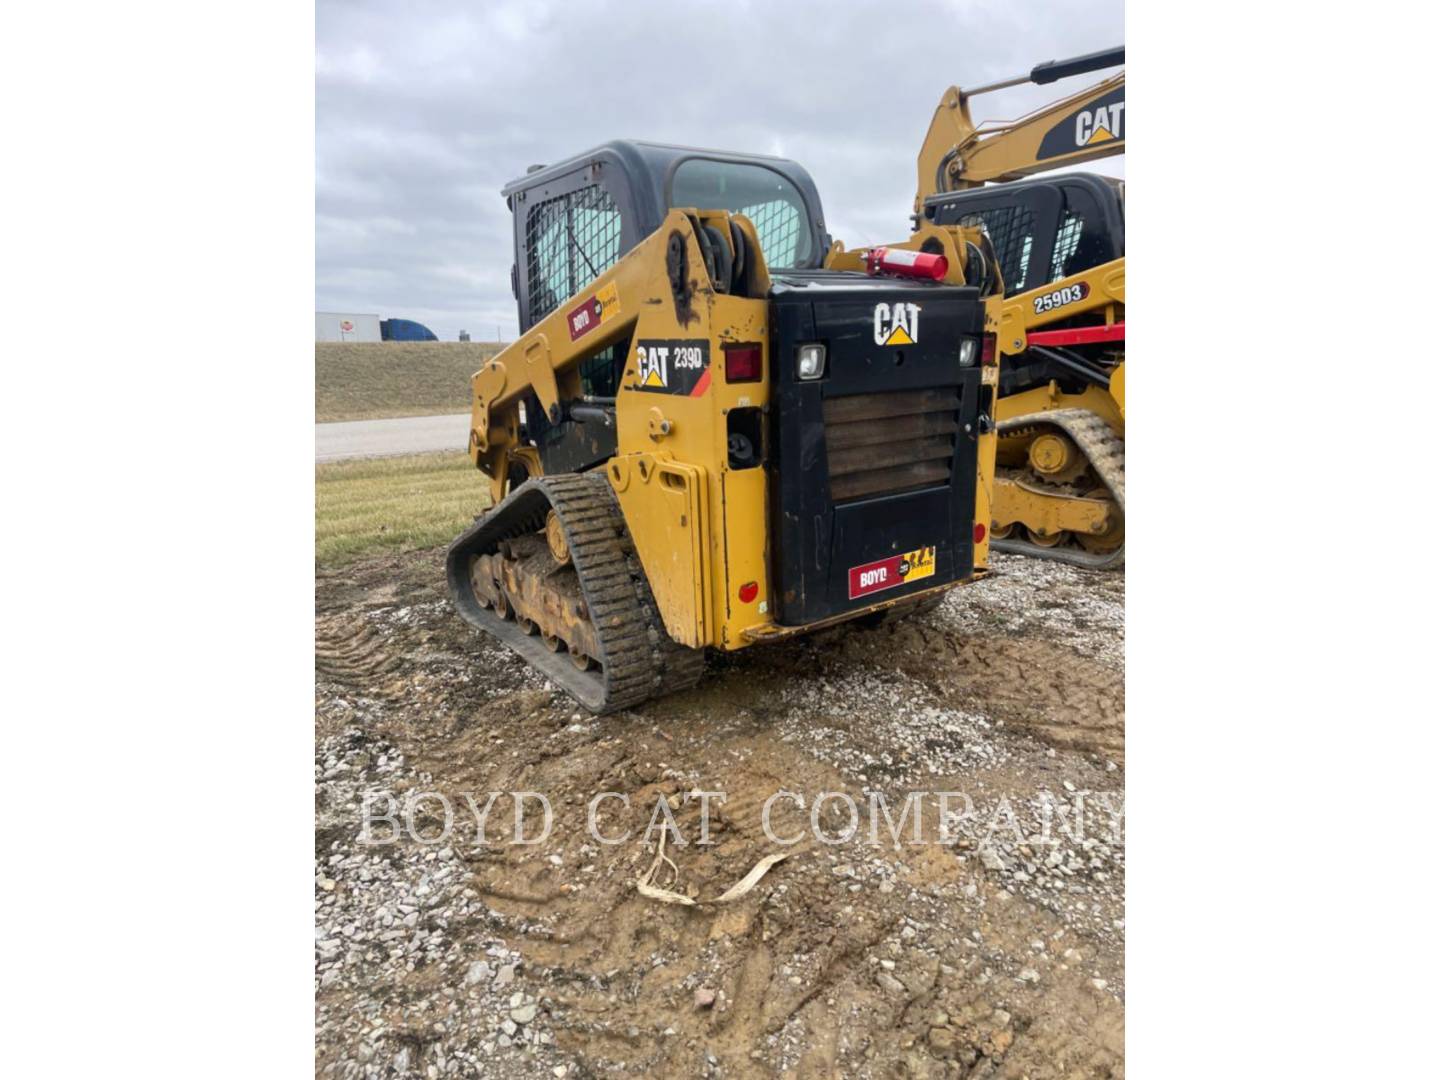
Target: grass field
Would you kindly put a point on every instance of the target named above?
(370, 381)
(393, 504)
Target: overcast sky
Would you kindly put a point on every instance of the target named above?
(425, 110)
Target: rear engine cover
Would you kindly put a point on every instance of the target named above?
(874, 468)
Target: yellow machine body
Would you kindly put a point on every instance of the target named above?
(700, 528)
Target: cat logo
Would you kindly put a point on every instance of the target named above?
(680, 367)
(1099, 125)
(652, 367)
(897, 325)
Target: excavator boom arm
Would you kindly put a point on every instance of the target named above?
(1084, 126)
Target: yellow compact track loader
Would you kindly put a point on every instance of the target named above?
(1060, 244)
(704, 436)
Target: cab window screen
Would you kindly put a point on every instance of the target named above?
(1012, 232)
(571, 240)
(774, 205)
(1082, 242)
(1067, 240)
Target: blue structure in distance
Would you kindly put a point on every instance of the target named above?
(405, 330)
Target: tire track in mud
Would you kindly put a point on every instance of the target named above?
(1042, 687)
(798, 967)
(349, 651)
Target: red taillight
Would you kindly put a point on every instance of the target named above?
(987, 349)
(979, 532)
(904, 263)
(742, 363)
(749, 591)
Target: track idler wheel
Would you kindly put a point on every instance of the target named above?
(1055, 458)
(555, 539)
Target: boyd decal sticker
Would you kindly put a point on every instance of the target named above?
(1070, 294)
(1099, 122)
(897, 324)
(600, 308)
(888, 573)
(673, 367)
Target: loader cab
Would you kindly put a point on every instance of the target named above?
(575, 219)
(1043, 230)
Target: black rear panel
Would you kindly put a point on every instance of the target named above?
(874, 463)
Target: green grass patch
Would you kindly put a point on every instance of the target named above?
(377, 505)
(375, 380)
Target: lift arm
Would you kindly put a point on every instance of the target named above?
(1084, 126)
(692, 251)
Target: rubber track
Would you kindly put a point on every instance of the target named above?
(1106, 453)
(679, 667)
(638, 660)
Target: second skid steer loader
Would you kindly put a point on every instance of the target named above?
(1059, 241)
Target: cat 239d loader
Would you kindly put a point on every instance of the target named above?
(705, 438)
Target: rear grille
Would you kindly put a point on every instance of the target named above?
(881, 444)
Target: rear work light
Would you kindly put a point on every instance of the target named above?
(810, 361)
(742, 363)
(899, 262)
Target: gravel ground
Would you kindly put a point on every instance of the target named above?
(994, 947)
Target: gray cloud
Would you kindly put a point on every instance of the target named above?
(424, 110)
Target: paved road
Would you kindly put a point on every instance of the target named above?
(386, 438)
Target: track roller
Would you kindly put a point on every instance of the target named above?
(1065, 443)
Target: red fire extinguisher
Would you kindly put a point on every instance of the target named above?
(901, 263)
